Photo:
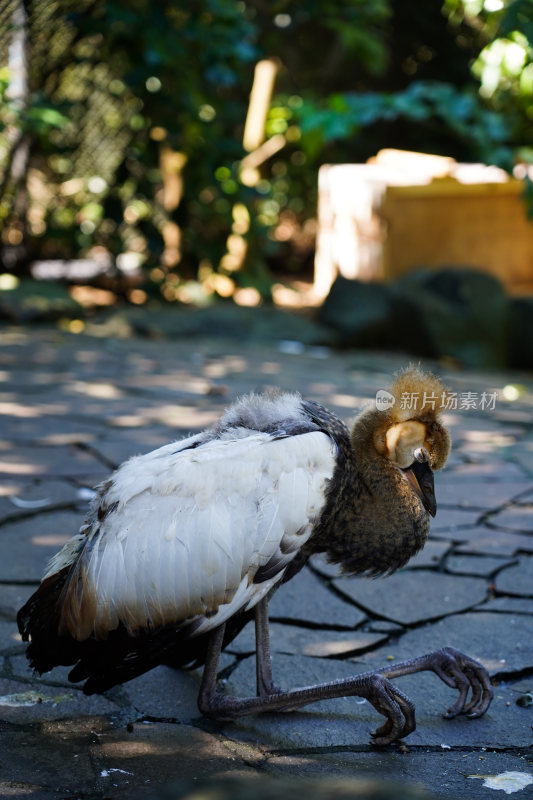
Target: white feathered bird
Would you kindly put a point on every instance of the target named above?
(185, 544)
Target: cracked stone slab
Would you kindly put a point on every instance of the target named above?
(516, 580)
(431, 554)
(308, 641)
(494, 469)
(409, 597)
(348, 721)
(508, 605)
(23, 498)
(518, 518)
(502, 642)
(495, 543)
(482, 566)
(118, 446)
(455, 535)
(58, 430)
(13, 597)
(478, 494)
(305, 598)
(31, 542)
(165, 693)
(24, 703)
(50, 462)
(9, 635)
(450, 519)
(21, 670)
(323, 567)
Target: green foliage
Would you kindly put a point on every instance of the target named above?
(425, 103)
(116, 84)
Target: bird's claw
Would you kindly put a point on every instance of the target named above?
(463, 673)
(394, 705)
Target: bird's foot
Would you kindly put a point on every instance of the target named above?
(466, 675)
(394, 705)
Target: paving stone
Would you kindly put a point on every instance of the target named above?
(517, 518)
(489, 470)
(322, 566)
(118, 446)
(9, 635)
(21, 670)
(408, 597)
(450, 519)
(25, 703)
(49, 462)
(166, 693)
(502, 642)
(142, 761)
(58, 430)
(482, 495)
(383, 626)
(307, 641)
(23, 498)
(431, 554)
(495, 543)
(305, 598)
(510, 605)
(348, 721)
(13, 597)
(482, 566)
(524, 455)
(455, 535)
(444, 774)
(517, 580)
(31, 543)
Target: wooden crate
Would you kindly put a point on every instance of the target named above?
(380, 220)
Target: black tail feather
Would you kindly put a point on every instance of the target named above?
(117, 659)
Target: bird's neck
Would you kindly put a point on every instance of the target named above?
(372, 521)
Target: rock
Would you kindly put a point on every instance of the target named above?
(452, 312)
(462, 313)
(359, 311)
(520, 339)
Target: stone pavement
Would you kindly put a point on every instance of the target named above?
(74, 407)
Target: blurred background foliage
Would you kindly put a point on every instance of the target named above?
(125, 143)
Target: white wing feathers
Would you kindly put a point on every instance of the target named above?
(192, 527)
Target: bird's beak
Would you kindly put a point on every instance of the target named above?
(420, 477)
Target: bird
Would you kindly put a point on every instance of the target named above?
(185, 545)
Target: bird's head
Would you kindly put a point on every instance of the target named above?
(408, 432)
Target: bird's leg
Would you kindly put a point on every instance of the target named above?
(456, 670)
(263, 663)
(452, 666)
(385, 697)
